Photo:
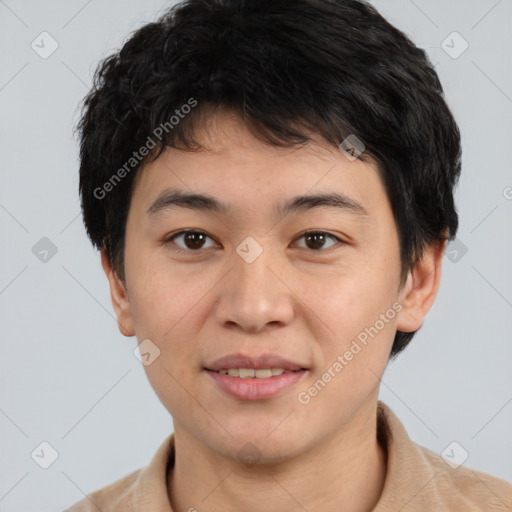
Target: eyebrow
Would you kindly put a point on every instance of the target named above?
(175, 198)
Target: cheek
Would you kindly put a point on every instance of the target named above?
(160, 294)
(171, 307)
(354, 353)
(348, 301)
(165, 310)
(358, 309)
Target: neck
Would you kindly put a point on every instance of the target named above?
(343, 473)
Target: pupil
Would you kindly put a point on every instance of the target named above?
(191, 243)
(315, 237)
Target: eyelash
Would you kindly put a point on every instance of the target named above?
(305, 233)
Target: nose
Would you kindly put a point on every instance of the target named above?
(255, 296)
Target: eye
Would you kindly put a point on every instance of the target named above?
(192, 240)
(315, 240)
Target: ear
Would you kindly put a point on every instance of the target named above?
(119, 297)
(420, 290)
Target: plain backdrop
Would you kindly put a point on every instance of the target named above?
(70, 379)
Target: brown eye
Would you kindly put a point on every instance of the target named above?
(191, 240)
(315, 240)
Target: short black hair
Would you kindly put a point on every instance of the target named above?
(293, 70)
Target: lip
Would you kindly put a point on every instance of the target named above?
(257, 362)
(254, 388)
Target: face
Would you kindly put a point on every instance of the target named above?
(311, 289)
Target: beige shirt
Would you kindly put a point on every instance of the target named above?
(417, 480)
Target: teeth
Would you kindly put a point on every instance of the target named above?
(245, 373)
(248, 373)
(264, 373)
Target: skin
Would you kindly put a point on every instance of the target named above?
(307, 304)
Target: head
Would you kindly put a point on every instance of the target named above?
(245, 106)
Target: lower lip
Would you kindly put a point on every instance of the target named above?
(254, 388)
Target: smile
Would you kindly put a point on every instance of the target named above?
(251, 384)
(248, 373)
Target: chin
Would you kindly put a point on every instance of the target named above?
(264, 448)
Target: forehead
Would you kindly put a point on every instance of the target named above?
(239, 173)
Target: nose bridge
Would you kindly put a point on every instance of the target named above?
(254, 296)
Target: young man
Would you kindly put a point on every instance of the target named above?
(271, 187)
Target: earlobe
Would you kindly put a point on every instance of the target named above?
(119, 297)
(421, 288)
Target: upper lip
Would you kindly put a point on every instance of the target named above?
(256, 361)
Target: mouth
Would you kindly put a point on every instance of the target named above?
(252, 373)
(246, 364)
(255, 377)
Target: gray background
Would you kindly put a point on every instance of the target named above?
(68, 377)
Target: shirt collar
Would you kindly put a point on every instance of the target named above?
(415, 477)
(149, 491)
